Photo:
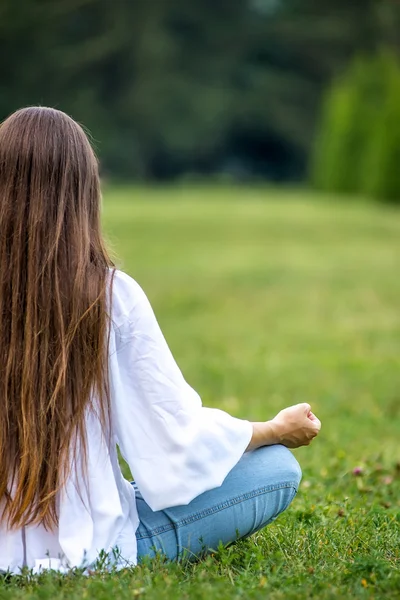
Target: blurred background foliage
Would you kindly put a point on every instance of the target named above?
(358, 143)
(222, 88)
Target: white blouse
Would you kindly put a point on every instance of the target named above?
(176, 449)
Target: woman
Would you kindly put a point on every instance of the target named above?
(84, 368)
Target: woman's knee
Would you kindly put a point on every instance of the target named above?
(280, 465)
(272, 476)
(284, 477)
(292, 468)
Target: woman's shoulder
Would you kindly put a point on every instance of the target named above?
(128, 298)
(124, 281)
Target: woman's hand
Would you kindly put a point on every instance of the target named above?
(296, 426)
(293, 427)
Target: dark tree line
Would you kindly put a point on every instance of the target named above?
(169, 87)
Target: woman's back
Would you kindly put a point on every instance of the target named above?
(176, 449)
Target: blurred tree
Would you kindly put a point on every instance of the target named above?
(358, 145)
(171, 86)
(351, 107)
(382, 172)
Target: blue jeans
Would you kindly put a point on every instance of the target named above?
(255, 492)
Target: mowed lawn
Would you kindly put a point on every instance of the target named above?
(268, 298)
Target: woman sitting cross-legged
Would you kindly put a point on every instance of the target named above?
(84, 369)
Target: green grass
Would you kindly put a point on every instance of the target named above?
(269, 298)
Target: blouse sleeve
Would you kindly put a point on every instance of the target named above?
(176, 448)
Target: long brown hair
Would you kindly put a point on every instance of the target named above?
(54, 271)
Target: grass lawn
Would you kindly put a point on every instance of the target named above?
(269, 298)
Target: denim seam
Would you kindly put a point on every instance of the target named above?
(217, 508)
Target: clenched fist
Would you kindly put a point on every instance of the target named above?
(296, 426)
(293, 427)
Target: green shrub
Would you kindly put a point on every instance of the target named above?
(357, 148)
(382, 162)
(329, 169)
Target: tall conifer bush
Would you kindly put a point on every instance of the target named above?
(357, 148)
(382, 161)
